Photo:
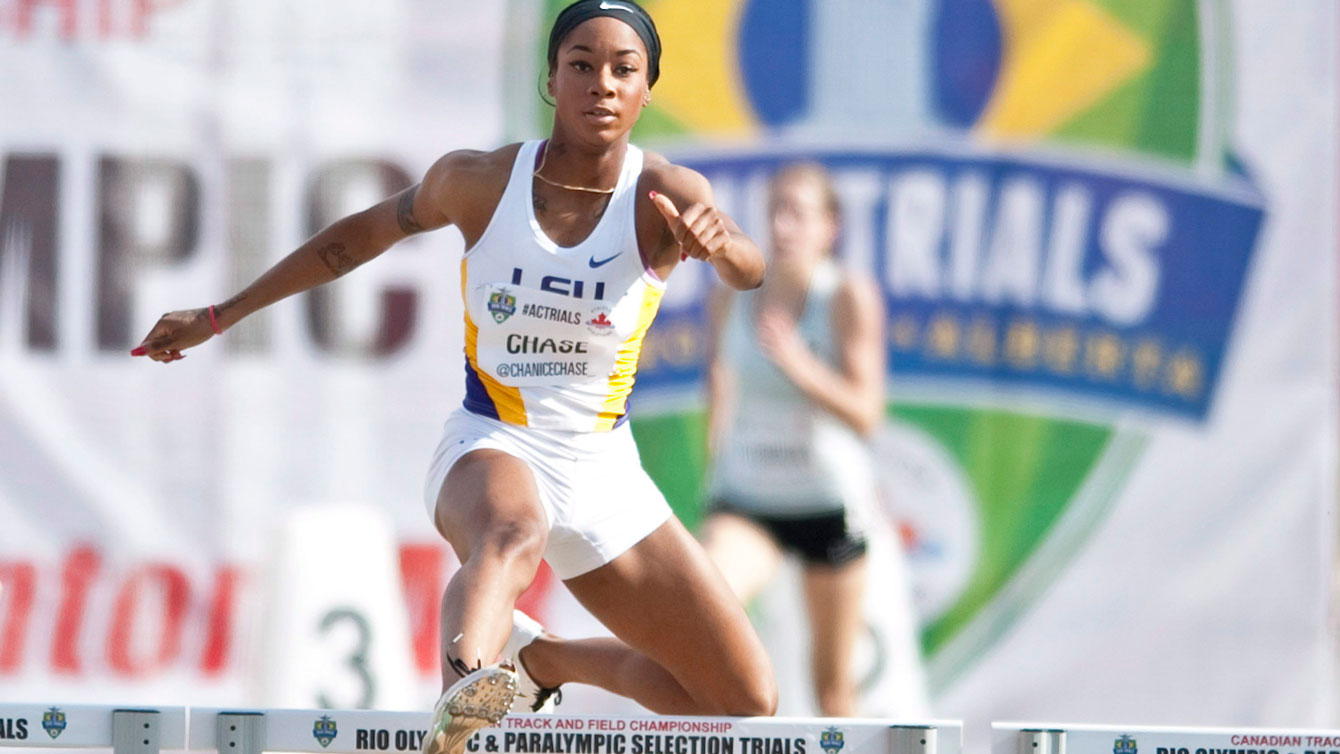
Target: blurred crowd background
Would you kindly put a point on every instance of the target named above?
(1106, 235)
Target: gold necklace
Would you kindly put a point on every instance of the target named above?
(545, 156)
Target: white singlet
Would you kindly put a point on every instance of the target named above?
(552, 336)
(781, 454)
(552, 333)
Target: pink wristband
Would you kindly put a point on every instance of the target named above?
(214, 323)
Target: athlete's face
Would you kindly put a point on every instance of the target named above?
(803, 227)
(599, 80)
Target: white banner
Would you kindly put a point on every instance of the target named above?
(158, 156)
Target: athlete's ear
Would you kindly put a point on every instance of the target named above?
(646, 98)
(549, 84)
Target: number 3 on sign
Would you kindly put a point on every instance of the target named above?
(357, 660)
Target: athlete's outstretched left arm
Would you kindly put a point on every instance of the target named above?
(696, 228)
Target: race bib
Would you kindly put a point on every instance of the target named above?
(531, 338)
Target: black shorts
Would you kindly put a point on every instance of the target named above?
(818, 538)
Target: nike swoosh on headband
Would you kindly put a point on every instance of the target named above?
(594, 264)
(613, 6)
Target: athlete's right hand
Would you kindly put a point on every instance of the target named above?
(699, 230)
(174, 333)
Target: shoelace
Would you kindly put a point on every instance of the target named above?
(543, 695)
(462, 670)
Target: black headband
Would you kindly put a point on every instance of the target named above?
(625, 10)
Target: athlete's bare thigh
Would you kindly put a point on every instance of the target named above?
(490, 495)
(666, 599)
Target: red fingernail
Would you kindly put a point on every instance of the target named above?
(653, 195)
(139, 351)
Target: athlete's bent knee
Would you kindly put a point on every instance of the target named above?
(519, 542)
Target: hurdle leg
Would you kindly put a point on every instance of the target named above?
(1042, 741)
(912, 739)
(135, 731)
(241, 732)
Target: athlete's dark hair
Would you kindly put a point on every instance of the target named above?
(625, 10)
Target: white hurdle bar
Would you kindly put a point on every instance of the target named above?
(352, 731)
(253, 731)
(124, 730)
(1052, 738)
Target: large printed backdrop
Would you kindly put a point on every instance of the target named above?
(1105, 231)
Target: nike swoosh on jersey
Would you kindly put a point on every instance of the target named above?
(594, 264)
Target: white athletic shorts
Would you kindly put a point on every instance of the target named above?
(598, 499)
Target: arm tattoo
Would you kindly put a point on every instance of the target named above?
(230, 303)
(336, 258)
(404, 212)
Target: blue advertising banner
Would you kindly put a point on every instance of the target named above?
(1101, 283)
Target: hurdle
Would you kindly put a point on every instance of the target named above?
(124, 730)
(352, 731)
(150, 730)
(1050, 738)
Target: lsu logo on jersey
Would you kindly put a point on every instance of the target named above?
(560, 285)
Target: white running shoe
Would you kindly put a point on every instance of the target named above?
(529, 696)
(478, 700)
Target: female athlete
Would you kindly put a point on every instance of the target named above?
(791, 469)
(568, 244)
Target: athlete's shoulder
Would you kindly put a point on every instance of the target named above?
(474, 166)
(468, 183)
(680, 183)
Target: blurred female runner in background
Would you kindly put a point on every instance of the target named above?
(568, 244)
(795, 385)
